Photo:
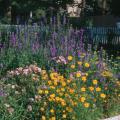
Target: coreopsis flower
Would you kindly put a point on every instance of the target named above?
(87, 65)
(64, 116)
(40, 91)
(98, 89)
(86, 104)
(91, 88)
(52, 111)
(84, 78)
(72, 66)
(83, 89)
(63, 84)
(102, 95)
(78, 74)
(52, 118)
(70, 58)
(95, 82)
(82, 99)
(42, 109)
(46, 91)
(43, 118)
(79, 63)
(52, 96)
(54, 76)
(106, 74)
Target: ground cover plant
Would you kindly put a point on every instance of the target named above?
(49, 73)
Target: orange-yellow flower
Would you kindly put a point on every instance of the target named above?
(102, 95)
(52, 87)
(98, 89)
(52, 111)
(91, 88)
(49, 82)
(79, 63)
(52, 118)
(72, 66)
(54, 76)
(82, 99)
(84, 79)
(63, 103)
(95, 82)
(70, 58)
(40, 91)
(43, 118)
(71, 91)
(86, 104)
(87, 65)
(57, 99)
(64, 116)
(46, 91)
(83, 89)
(42, 109)
(52, 96)
(63, 84)
(78, 74)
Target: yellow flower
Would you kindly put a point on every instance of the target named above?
(86, 104)
(98, 89)
(102, 95)
(79, 63)
(49, 82)
(52, 96)
(68, 81)
(52, 111)
(63, 103)
(86, 74)
(52, 87)
(66, 95)
(83, 89)
(40, 91)
(61, 94)
(57, 99)
(70, 58)
(71, 91)
(106, 74)
(64, 116)
(43, 72)
(58, 90)
(87, 65)
(53, 118)
(55, 83)
(42, 109)
(95, 82)
(72, 66)
(46, 91)
(44, 77)
(91, 88)
(84, 79)
(69, 109)
(78, 74)
(43, 118)
(82, 99)
(63, 89)
(63, 84)
(54, 76)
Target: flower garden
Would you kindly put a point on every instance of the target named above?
(50, 73)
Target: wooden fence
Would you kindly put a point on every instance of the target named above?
(107, 37)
